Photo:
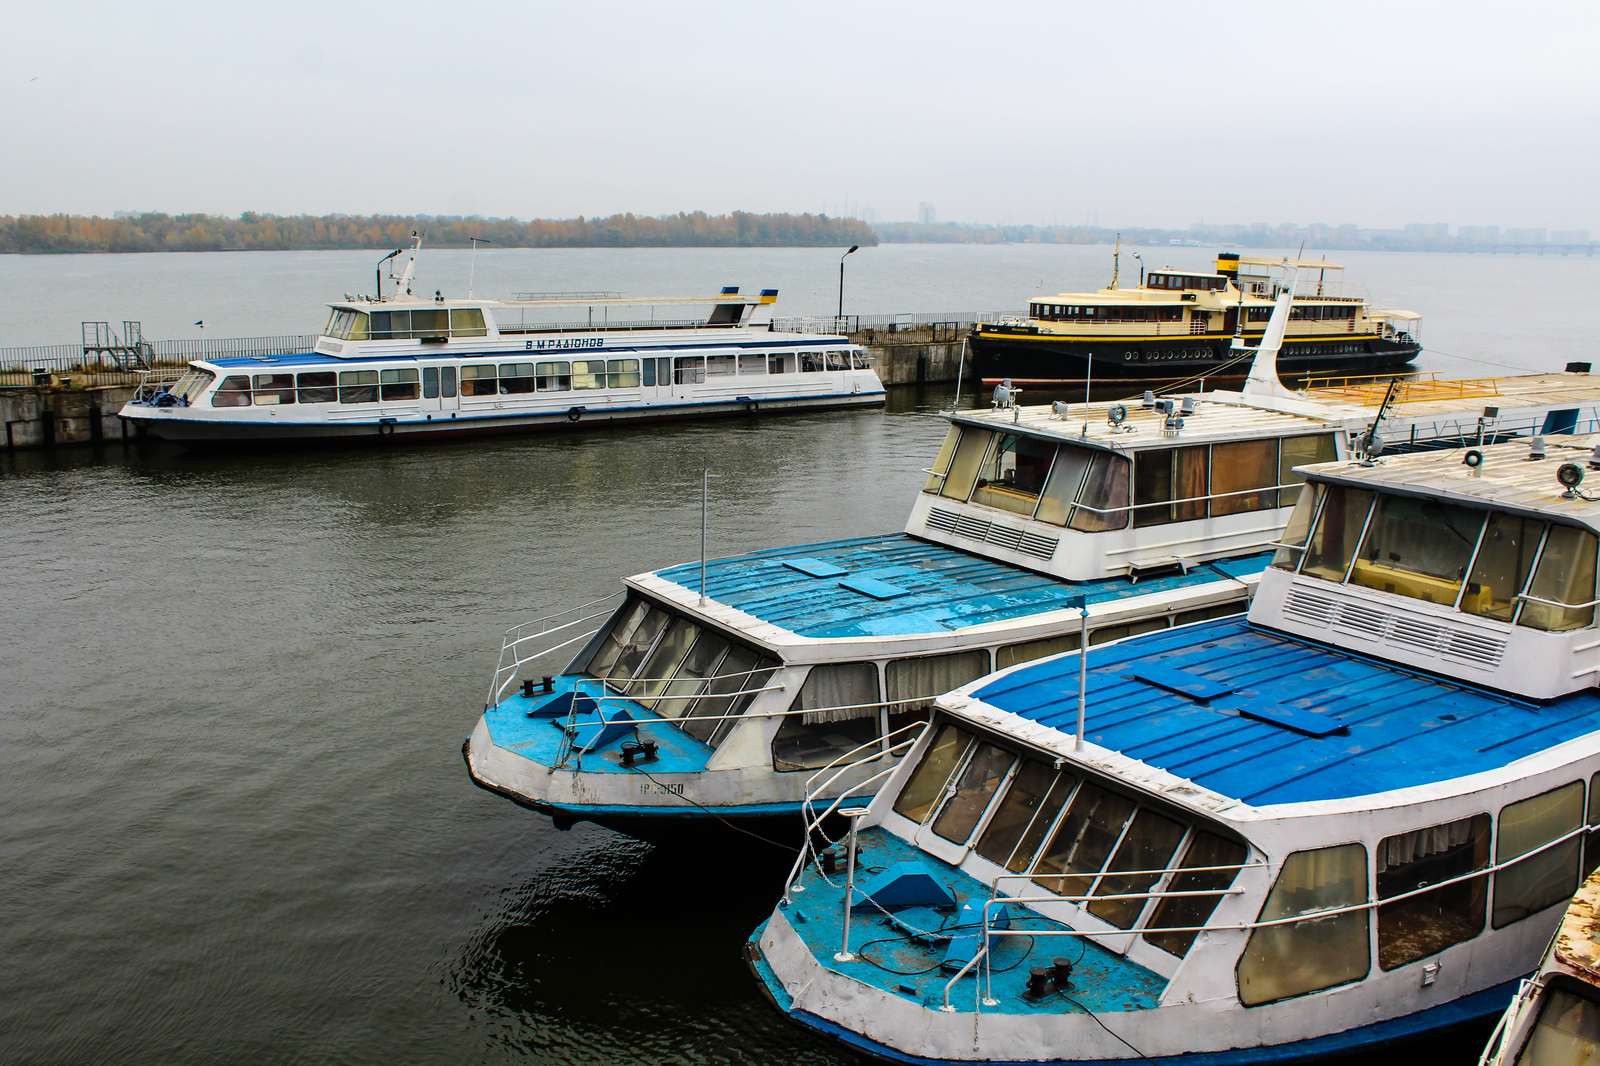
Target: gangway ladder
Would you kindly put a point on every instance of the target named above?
(131, 352)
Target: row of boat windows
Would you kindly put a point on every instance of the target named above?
(1493, 564)
(1161, 280)
(1321, 312)
(431, 323)
(669, 664)
(1087, 489)
(1104, 313)
(1079, 839)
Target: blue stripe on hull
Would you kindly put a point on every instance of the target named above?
(1476, 1007)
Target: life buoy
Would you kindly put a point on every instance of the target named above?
(574, 414)
(385, 429)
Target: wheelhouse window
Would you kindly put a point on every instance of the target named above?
(1026, 813)
(318, 387)
(1103, 500)
(1013, 473)
(841, 711)
(430, 324)
(273, 389)
(1287, 557)
(553, 377)
(1417, 547)
(193, 382)
(358, 386)
(927, 782)
(479, 380)
(838, 360)
(986, 767)
(233, 392)
(1565, 575)
(1549, 877)
(1426, 924)
(860, 359)
(1333, 541)
(346, 325)
(1321, 951)
(1505, 559)
(467, 322)
(1303, 451)
(966, 464)
(1066, 481)
(941, 461)
(400, 384)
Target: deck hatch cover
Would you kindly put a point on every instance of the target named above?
(871, 586)
(815, 567)
(1183, 682)
(1310, 723)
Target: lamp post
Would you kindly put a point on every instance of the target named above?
(1140, 258)
(853, 249)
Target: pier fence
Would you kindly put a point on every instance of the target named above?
(71, 366)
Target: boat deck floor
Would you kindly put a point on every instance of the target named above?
(539, 738)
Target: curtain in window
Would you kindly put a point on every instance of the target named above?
(1240, 465)
(841, 689)
(930, 676)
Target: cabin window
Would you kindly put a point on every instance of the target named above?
(1565, 574)
(781, 363)
(1549, 877)
(752, 364)
(398, 384)
(588, 374)
(1106, 634)
(1418, 548)
(622, 373)
(1083, 841)
(928, 781)
(810, 362)
(1013, 473)
(861, 360)
(912, 684)
(319, 387)
(1426, 924)
(1281, 961)
(467, 322)
(193, 382)
(966, 463)
(1205, 614)
(941, 462)
(1025, 815)
(690, 370)
(658, 670)
(233, 392)
(976, 786)
(1162, 476)
(1239, 466)
(274, 389)
(1103, 501)
(390, 324)
(1148, 845)
(345, 325)
(432, 322)
(1568, 1028)
(478, 380)
(1510, 544)
(1291, 547)
(430, 383)
(622, 649)
(358, 386)
(649, 373)
(1210, 863)
(1333, 540)
(516, 378)
(838, 360)
(553, 377)
(1066, 479)
(721, 366)
(704, 660)
(841, 705)
(731, 692)
(1303, 451)
(447, 381)
(1029, 650)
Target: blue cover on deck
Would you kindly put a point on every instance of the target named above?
(1404, 727)
(945, 588)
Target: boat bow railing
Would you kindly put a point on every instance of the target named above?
(536, 638)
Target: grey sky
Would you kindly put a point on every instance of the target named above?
(1139, 113)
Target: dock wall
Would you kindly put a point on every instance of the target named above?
(915, 355)
(40, 418)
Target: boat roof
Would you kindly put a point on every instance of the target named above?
(898, 585)
(1244, 732)
(1507, 478)
(413, 301)
(1145, 427)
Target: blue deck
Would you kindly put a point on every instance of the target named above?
(539, 739)
(894, 962)
(1382, 727)
(942, 588)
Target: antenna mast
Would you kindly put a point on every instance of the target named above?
(1116, 261)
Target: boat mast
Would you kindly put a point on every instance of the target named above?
(1116, 261)
(1263, 377)
(403, 283)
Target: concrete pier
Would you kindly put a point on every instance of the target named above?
(914, 355)
(43, 417)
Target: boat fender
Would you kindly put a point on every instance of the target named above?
(386, 427)
(752, 406)
(574, 414)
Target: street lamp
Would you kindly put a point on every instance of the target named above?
(1139, 257)
(853, 249)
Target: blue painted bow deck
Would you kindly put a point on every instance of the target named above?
(897, 585)
(1267, 718)
(539, 738)
(902, 965)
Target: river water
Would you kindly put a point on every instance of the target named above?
(234, 819)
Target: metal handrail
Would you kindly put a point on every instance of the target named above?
(517, 634)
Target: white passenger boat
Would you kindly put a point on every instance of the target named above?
(731, 689)
(1354, 815)
(1554, 1020)
(405, 365)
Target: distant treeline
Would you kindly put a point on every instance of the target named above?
(251, 232)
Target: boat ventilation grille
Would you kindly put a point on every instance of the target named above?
(1374, 623)
(1017, 540)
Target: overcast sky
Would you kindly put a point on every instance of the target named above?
(1143, 113)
